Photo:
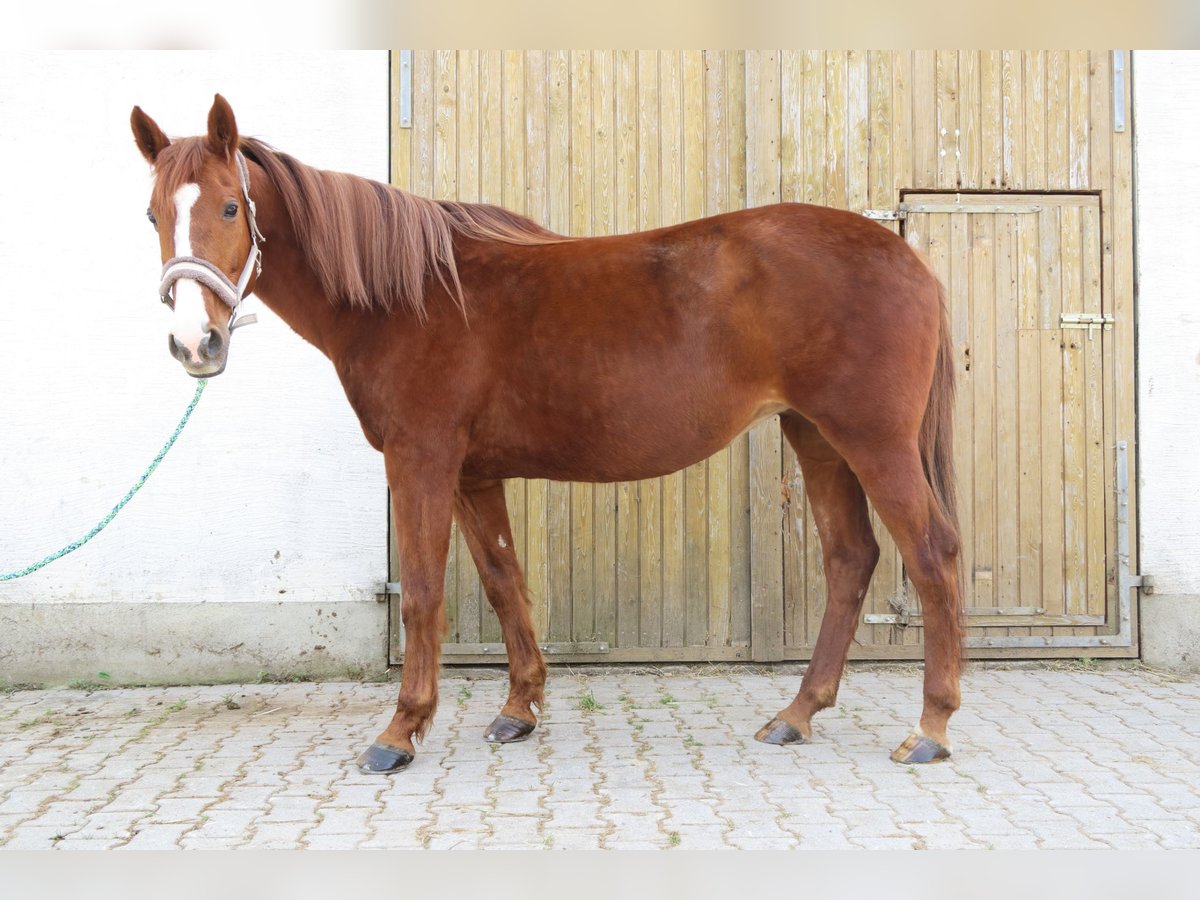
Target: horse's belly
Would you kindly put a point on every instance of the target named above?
(625, 447)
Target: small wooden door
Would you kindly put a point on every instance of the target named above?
(1036, 466)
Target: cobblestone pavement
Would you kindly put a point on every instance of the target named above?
(1044, 757)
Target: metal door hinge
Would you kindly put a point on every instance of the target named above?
(1118, 89)
(405, 99)
(885, 215)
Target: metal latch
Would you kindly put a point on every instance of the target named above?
(885, 215)
(1090, 321)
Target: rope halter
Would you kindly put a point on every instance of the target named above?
(209, 275)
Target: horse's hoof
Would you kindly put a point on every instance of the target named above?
(379, 759)
(917, 748)
(780, 732)
(508, 730)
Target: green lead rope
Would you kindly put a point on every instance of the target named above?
(75, 545)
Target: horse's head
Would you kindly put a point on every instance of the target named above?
(201, 209)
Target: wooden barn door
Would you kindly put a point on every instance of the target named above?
(1015, 171)
(595, 142)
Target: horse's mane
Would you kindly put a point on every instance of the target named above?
(370, 244)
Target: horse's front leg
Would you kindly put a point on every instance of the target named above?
(483, 518)
(423, 485)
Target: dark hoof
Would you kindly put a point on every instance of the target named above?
(508, 730)
(779, 732)
(920, 749)
(382, 760)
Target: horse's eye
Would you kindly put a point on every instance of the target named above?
(231, 210)
(150, 216)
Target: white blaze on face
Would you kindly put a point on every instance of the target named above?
(190, 322)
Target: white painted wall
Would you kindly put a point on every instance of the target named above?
(272, 492)
(1166, 97)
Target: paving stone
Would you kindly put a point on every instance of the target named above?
(1044, 757)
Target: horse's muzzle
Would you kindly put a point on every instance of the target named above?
(207, 358)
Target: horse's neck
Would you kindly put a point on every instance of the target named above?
(287, 285)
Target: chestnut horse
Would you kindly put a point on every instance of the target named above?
(474, 345)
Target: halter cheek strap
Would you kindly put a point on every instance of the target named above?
(211, 276)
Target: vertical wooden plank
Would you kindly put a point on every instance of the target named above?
(695, 501)
(423, 123)
(926, 121)
(1049, 310)
(558, 141)
(814, 127)
(836, 174)
(1035, 119)
(717, 199)
(511, 70)
(1095, 388)
(491, 126)
(581, 500)
(904, 124)
(1058, 121)
(948, 133)
(1050, 268)
(649, 491)
(1099, 92)
(792, 174)
(1053, 596)
(672, 487)
(791, 105)
(1079, 121)
(491, 190)
(991, 121)
(739, 485)
(467, 126)
(604, 495)
(537, 206)
(882, 178)
(970, 110)
(1013, 97)
(1006, 512)
(961, 319)
(858, 124)
(625, 212)
(1074, 419)
(766, 551)
(983, 368)
(464, 157)
(560, 540)
(445, 126)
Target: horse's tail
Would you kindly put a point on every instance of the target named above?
(937, 428)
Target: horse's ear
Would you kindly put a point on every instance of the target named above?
(222, 128)
(149, 137)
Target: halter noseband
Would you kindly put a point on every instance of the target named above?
(211, 276)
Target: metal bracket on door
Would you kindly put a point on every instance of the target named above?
(405, 99)
(1090, 321)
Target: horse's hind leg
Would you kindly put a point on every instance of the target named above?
(850, 553)
(483, 517)
(894, 479)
